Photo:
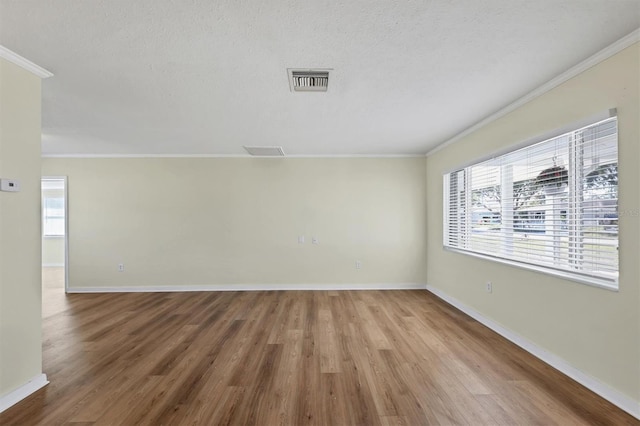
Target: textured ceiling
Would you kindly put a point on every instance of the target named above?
(206, 77)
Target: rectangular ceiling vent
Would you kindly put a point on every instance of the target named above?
(265, 151)
(306, 80)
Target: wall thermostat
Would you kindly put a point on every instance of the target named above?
(9, 185)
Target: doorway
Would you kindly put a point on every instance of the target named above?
(55, 271)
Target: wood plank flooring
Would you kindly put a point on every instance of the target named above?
(290, 358)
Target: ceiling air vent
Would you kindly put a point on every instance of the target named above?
(265, 151)
(305, 80)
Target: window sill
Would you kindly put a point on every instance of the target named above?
(591, 281)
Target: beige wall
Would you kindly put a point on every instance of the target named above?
(53, 251)
(213, 221)
(20, 281)
(595, 330)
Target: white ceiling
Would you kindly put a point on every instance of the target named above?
(207, 77)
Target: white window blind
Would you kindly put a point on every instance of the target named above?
(53, 221)
(551, 205)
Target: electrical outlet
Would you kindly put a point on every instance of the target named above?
(314, 240)
(358, 264)
(121, 267)
(301, 239)
(489, 287)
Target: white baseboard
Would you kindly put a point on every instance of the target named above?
(605, 391)
(250, 287)
(23, 391)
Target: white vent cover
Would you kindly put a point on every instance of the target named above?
(265, 151)
(308, 80)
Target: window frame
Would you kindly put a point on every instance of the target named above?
(588, 278)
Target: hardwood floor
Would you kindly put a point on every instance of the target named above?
(290, 358)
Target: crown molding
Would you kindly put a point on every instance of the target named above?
(246, 156)
(26, 64)
(601, 56)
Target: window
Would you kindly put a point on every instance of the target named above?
(53, 216)
(551, 206)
